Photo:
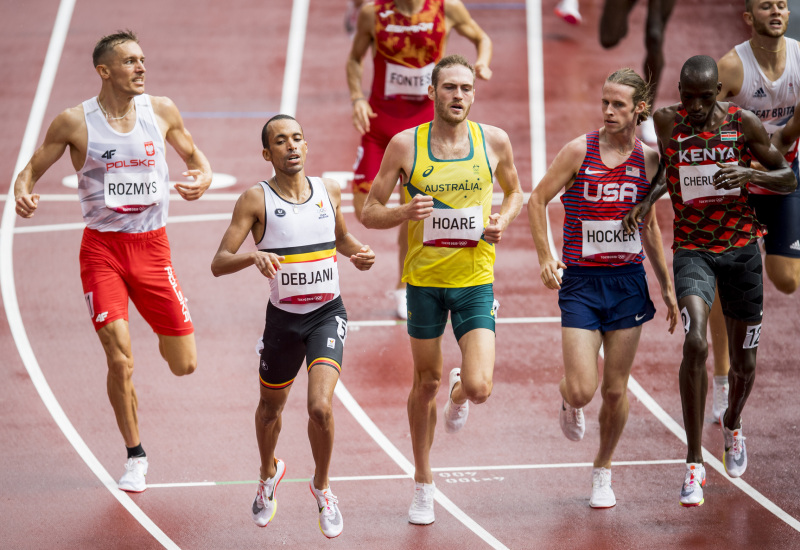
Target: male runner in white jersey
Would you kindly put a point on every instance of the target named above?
(117, 145)
(762, 75)
(298, 227)
(446, 169)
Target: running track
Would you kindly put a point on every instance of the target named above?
(510, 479)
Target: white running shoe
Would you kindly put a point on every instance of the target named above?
(568, 11)
(720, 403)
(400, 304)
(572, 423)
(735, 457)
(602, 493)
(455, 416)
(132, 481)
(330, 519)
(265, 505)
(421, 510)
(693, 483)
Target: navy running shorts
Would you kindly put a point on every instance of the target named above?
(605, 298)
(781, 215)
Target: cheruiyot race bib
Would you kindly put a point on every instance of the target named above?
(697, 185)
(607, 242)
(131, 193)
(307, 282)
(453, 228)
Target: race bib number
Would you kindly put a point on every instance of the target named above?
(410, 82)
(308, 282)
(607, 242)
(453, 228)
(128, 193)
(697, 186)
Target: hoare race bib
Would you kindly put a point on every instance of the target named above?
(307, 282)
(606, 241)
(409, 82)
(131, 193)
(697, 185)
(453, 228)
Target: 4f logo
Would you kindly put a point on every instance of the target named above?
(149, 149)
(752, 337)
(108, 154)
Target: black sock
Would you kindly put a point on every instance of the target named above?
(136, 452)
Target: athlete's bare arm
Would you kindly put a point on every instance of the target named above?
(501, 157)
(662, 120)
(363, 39)
(68, 129)
(181, 140)
(731, 75)
(360, 255)
(458, 18)
(396, 164)
(653, 246)
(560, 175)
(787, 135)
(248, 217)
(777, 175)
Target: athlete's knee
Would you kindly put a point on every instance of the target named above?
(784, 283)
(320, 412)
(267, 413)
(477, 392)
(609, 39)
(614, 395)
(183, 366)
(579, 395)
(695, 348)
(426, 386)
(120, 366)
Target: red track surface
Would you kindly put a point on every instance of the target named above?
(229, 57)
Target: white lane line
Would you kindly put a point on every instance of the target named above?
(8, 286)
(394, 453)
(708, 458)
(294, 57)
(390, 477)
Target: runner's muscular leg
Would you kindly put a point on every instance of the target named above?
(268, 426)
(693, 378)
(180, 353)
(783, 271)
(719, 338)
(116, 341)
(614, 21)
(321, 383)
(620, 348)
(477, 367)
(743, 336)
(580, 348)
(658, 13)
(427, 355)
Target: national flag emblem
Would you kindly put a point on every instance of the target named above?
(319, 204)
(149, 148)
(729, 135)
(632, 171)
